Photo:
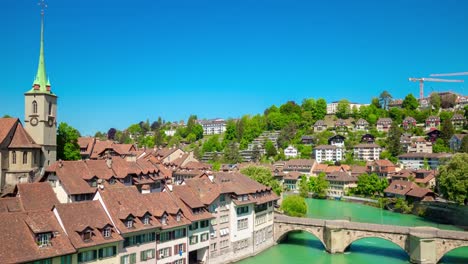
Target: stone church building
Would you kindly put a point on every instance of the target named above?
(26, 150)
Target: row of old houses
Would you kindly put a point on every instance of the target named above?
(383, 124)
(207, 219)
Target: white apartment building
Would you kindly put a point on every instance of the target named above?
(332, 107)
(328, 153)
(367, 151)
(213, 126)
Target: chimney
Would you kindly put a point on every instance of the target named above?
(100, 184)
(60, 163)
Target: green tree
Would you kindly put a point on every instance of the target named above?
(294, 205)
(385, 98)
(231, 153)
(287, 134)
(319, 185)
(343, 109)
(270, 149)
(447, 131)
(309, 104)
(320, 109)
(464, 145)
(262, 175)
(212, 144)
(159, 137)
(448, 100)
(439, 146)
(67, 142)
(435, 101)
(410, 102)
(376, 102)
(6, 116)
(370, 185)
(393, 140)
(304, 186)
(290, 107)
(453, 179)
(230, 134)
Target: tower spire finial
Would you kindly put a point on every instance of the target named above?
(41, 81)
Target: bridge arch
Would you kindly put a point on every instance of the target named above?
(283, 230)
(446, 247)
(398, 239)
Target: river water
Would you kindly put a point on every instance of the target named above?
(303, 247)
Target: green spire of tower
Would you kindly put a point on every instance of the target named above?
(41, 82)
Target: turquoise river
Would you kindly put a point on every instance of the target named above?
(303, 247)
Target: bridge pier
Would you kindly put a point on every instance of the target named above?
(423, 245)
(334, 236)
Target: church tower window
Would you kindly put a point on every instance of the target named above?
(13, 157)
(34, 105)
(25, 157)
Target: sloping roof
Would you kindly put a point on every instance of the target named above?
(207, 190)
(18, 237)
(366, 145)
(400, 187)
(37, 196)
(86, 143)
(6, 125)
(293, 175)
(72, 175)
(11, 204)
(21, 139)
(320, 123)
(341, 176)
(76, 217)
(299, 162)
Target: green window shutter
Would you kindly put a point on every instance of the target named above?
(142, 256)
(114, 250)
(122, 260)
(80, 257)
(138, 239)
(133, 258)
(101, 253)
(94, 254)
(154, 252)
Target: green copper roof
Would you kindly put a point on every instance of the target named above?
(41, 75)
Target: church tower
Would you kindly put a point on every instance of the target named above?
(40, 109)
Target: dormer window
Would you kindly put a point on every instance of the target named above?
(129, 222)
(43, 239)
(107, 232)
(111, 181)
(146, 219)
(178, 217)
(164, 219)
(87, 235)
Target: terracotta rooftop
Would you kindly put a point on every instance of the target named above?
(19, 232)
(89, 215)
(6, 125)
(21, 139)
(37, 196)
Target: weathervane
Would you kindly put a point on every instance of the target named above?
(43, 6)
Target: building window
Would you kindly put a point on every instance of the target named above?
(242, 224)
(193, 226)
(107, 252)
(128, 259)
(193, 239)
(213, 247)
(129, 222)
(178, 217)
(146, 220)
(179, 249)
(222, 198)
(13, 157)
(107, 232)
(164, 252)
(242, 210)
(87, 235)
(43, 240)
(224, 243)
(50, 109)
(87, 256)
(203, 237)
(34, 106)
(224, 219)
(147, 254)
(204, 223)
(67, 259)
(25, 157)
(179, 261)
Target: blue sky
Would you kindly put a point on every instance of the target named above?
(114, 63)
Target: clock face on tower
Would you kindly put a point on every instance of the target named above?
(50, 122)
(34, 121)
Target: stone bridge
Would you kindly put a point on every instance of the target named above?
(423, 244)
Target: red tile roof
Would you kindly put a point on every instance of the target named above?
(21, 139)
(37, 196)
(19, 232)
(6, 125)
